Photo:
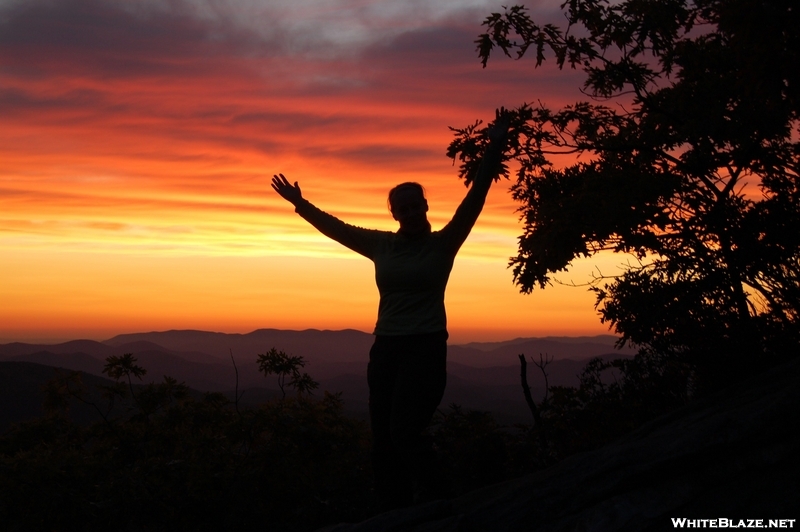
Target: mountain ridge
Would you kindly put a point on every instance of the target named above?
(479, 380)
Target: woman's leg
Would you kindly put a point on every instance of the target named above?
(407, 377)
(392, 484)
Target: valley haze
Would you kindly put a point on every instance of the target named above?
(481, 375)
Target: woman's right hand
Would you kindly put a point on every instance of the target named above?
(289, 192)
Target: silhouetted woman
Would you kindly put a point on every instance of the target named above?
(407, 362)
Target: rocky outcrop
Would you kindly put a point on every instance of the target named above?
(734, 456)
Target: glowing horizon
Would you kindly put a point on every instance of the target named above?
(138, 139)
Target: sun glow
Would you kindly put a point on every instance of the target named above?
(137, 151)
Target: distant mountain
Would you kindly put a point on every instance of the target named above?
(607, 340)
(488, 354)
(68, 361)
(90, 347)
(22, 393)
(193, 356)
(331, 346)
(217, 377)
(97, 350)
(199, 370)
(480, 376)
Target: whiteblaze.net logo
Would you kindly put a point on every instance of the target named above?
(683, 522)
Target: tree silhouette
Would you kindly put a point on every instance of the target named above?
(686, 158)
(275, 362)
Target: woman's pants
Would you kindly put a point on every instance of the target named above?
(407, 377)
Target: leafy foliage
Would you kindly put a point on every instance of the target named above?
(613, 398)
(169, 461)
(286, 366)
(687, 157)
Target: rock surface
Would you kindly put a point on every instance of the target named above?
(735, 455)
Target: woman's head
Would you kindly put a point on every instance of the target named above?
(409, 207)
(408, 187)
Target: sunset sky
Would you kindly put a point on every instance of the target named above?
(138, 138)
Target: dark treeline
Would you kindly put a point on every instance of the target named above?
(163, 457)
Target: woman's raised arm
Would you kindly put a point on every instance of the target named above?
(467, 213)
(360, 240)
